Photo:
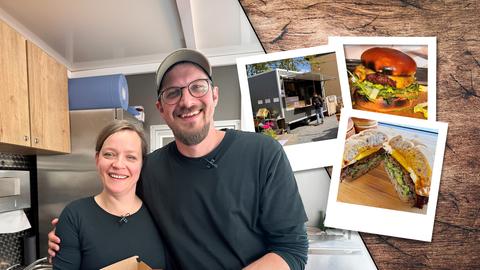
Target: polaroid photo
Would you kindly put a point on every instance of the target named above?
(386, 175)
(295, 97)
(390, 75)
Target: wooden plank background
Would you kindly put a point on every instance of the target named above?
(288, 24)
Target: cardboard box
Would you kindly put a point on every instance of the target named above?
(132, 263)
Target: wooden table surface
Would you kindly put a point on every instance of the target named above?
(292, 24)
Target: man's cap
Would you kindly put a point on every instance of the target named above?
(182, 55)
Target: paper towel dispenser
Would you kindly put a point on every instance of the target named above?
(14, 190)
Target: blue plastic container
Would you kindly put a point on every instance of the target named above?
(99, 92)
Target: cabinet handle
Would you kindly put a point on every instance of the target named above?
(25, 138)
(36, 140)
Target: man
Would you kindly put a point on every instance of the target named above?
(222, 200)
(318, 104)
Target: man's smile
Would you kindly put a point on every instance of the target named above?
(190, 114)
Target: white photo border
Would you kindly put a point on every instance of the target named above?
(302, 156)
(430, 42)
(378, 220)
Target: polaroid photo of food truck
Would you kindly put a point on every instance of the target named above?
(390, 75)
(294, 97)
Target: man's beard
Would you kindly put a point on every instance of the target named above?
(192, 138)
(189, 137)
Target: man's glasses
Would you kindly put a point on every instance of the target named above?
(197, 88)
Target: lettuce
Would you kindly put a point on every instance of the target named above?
(372, 91)
(398, 174)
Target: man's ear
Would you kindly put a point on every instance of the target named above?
(158, 104)
(215, 95)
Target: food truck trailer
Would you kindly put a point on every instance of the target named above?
(286, 94)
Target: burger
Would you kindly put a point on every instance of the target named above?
(384, 81)
(404, 162)
(409, 171)
(363, 152)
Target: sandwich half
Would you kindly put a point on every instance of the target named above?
(363, 152)
(409, 171)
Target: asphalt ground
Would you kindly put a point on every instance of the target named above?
(313, 132)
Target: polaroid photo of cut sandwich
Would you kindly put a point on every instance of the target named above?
(386, 177)
(294, 97)
(391, 75)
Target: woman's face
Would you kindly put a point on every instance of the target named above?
(119, 162)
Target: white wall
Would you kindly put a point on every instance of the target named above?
(313, 186)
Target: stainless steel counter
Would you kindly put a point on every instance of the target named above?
(338, 253)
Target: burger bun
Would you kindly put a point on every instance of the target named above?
(389, 61)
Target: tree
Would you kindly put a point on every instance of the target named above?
(292, 64)
(316, 61)
(258, 68)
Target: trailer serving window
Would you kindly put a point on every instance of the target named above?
(299, 93)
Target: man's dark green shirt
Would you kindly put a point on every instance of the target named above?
(228, 208)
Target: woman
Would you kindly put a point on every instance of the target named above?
(113, 225)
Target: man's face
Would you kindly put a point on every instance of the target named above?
(191, 118)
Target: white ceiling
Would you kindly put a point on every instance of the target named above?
(99, 37)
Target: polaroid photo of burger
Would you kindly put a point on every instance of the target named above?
(386, 177)
(391, 75)
(294, 97)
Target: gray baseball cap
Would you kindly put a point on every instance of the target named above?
(182, 55)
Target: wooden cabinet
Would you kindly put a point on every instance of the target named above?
(14, 115)
(48, 93)
(34, 118)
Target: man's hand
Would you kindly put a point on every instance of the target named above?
(53, 241)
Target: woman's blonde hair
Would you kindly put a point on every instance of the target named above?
(120, 125)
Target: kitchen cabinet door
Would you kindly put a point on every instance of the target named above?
(14, 115)
(48, 93)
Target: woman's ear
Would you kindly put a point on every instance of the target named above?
(96, 158)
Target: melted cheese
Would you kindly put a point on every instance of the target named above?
(397, 156)
(366, 153)
(402, 81)
(362, 154)
(415, 178)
